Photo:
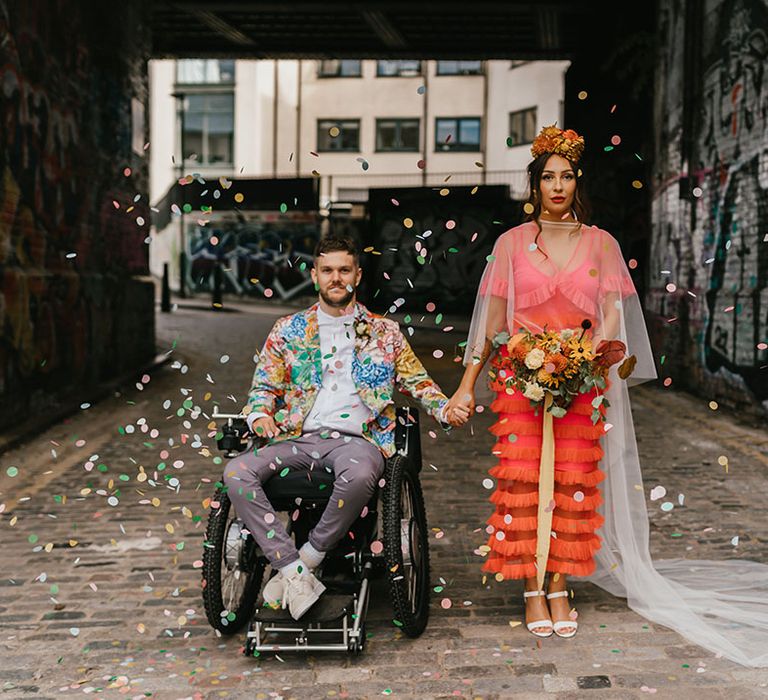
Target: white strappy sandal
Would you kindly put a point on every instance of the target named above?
(563, 624)
(538, 623)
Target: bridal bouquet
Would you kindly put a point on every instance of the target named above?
(562, 364)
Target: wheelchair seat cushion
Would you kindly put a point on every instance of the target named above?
(308, 485)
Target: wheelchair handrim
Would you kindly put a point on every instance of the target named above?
(234, 578)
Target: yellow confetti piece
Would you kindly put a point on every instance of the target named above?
(713, 405)
(408, 222)
(474, 189)
(341, 503)
(239, 197)
(169, 528)
(637, 184)
(444, 192)
(156, 502)
(334, 131)
(85, 491)
(49, 547)
(182, 620)
(207, 396)
(722, 460)
(13, 520)
(73, 543)
(140, 628)
(515, 623)
(528, 208)
(499, 577)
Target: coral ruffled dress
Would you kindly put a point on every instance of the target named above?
(558, 298)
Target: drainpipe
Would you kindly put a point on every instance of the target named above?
(275, 88)
(484, 121)
(425, 113)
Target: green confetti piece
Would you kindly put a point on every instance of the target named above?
(231, 616)
(12, 471)
(283, 207)
(121, 430)
(179, 546)
(161, 466)
(420, 260)
(54, 588)
(438, 589)
(180, 412)
(124, 477)
(407, 318)
(270, 534)
(217, 460)
(187, 208)
(285, 471)
(608, 148)
(439, 319)
(397, 623)
(103, 468)
(453, 250)
(32, 539)
(490, 258)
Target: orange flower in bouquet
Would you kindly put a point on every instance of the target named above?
(562, 364)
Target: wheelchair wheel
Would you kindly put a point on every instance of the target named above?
(232, 569)
(406, 546)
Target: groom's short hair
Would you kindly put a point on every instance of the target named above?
(333, 244)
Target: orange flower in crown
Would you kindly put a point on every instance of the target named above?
(566, 143)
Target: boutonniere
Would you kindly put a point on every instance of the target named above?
(362, 329)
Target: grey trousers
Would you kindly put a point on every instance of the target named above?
(357, 466)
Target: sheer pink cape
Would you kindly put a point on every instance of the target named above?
(719, 605)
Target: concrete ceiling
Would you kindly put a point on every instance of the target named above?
(392, 29)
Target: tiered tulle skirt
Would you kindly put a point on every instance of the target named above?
(512, 539)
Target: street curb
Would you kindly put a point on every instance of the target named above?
(70, 404)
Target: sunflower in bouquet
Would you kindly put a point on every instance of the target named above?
(563, 364)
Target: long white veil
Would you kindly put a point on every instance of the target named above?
(719, 605)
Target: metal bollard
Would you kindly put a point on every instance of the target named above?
(216, 301)
(165, 300)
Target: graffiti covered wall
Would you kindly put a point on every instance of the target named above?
(709, 257)
(75, 307)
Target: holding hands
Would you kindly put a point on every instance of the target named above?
(460, 406)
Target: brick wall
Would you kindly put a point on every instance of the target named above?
(710, 203)
(76, 305)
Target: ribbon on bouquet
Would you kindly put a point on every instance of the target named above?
(546, 493)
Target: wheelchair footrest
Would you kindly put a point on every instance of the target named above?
(330, 608)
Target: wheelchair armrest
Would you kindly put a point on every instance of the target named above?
(408, 435)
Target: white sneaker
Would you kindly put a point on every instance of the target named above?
(274, 589)
(302, 591)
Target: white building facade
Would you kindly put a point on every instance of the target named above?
(354, 124)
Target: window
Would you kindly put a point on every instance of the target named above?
(398, 68)
(522, 127)
(397, 134)
(459, 67)
(337, 68)
(205, 71)
(457, 134)
(208, 127)
(338, 134)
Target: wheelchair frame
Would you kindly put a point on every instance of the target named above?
(230, 555)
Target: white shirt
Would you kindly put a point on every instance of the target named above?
(338, 405)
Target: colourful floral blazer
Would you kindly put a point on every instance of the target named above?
(288, 374)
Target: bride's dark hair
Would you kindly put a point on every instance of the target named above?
(581, 208)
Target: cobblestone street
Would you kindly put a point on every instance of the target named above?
(102, 519)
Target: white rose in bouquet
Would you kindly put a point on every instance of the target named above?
(534, 359)
(533, 391)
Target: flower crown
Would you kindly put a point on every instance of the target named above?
(553, 140)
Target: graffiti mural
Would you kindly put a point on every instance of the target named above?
(711, 214)
(71, 231)
(442, 255)
(263, 252)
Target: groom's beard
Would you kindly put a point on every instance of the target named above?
(338, 302)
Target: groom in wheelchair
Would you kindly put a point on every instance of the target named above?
(322, 396)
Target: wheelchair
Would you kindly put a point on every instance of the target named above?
(389, 540)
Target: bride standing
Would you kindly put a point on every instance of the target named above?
(556, 273)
